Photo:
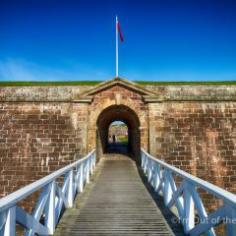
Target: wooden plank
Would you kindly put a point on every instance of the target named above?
(118, 204)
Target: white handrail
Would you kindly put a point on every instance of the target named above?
(211, 188)
(51, 200)
(186, 198)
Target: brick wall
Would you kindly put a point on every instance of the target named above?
(36, 139)
(192, 128)
(199, 137)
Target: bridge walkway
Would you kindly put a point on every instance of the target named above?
(115, 203)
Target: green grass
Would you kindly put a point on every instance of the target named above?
(123, 139)
(187, 82)
(50, 83)
(91, 83)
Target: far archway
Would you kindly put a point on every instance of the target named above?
(118, 137)
(122, 114)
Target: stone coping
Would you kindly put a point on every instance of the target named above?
(162, 93)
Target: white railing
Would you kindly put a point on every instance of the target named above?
(54, 197)
(186, 198)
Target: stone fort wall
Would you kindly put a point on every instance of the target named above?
(191, 127)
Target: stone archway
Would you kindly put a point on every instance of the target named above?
(129, 117)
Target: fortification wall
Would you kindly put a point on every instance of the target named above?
(165, 92)
(37, 138)
(198, 137)
(191, 127)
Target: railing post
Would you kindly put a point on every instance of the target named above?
(91, 164)
(70, 194)
(157, 181)
(81, 178)
(150, 171)
(87, 172)
(10, 224)
(51, 200)
(93, 161)
(167, 187)
(50, 216)
(142, 160)
(145, 164)
(188, 209)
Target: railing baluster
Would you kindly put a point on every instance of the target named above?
(200, 209)
(213, 219)
(76, 181)
(188, 210)
(167, 188)
(10, 224)
(50, 214)
(177, 199)
(37, 212)
(81, 178)
(87, 172)
(70, 195)
(50, 202)
(157, 177)
(91, 165)
(186, 198)
(60, 201)
(149, 171)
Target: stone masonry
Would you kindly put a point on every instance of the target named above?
(191, 127)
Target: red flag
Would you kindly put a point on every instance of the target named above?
(119, 31)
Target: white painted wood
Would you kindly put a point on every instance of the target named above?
(3, 217)
(87, 172)
(213, 218)
(70, 195)
(50, 211)
(38, 210)
(81, 178)
(160, 186)
(28, 221)
(178, 200)
(201, 210)
(157, 177)
(50, 202)
(186, 198)
(10, 228)
(211, 188)
(61, 196)
(13, 198)
(188, 211)
(167, 188)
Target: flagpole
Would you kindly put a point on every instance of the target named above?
(117, 47)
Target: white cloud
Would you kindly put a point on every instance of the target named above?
(20, 70)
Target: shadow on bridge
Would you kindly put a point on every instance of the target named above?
(118, 148)
(171, 219)
(118, 201)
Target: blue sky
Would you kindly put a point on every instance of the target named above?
(75, 40)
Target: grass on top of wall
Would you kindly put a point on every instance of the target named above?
(91, 83)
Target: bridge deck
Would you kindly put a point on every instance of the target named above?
(116, 204)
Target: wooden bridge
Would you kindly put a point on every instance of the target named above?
(121, 199)
(118, 204)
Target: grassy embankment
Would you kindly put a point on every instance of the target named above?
(90, 83)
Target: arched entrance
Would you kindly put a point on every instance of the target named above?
(123, 114)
